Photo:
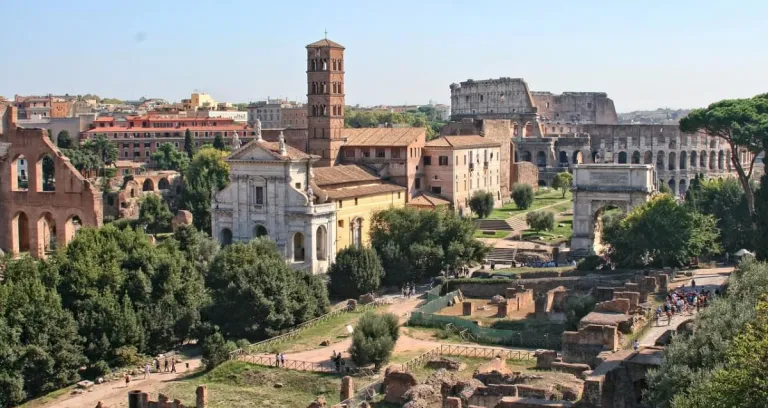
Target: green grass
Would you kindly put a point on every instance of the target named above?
(496, 234)
(45, 399)
(542, 200)
(237, 384)
(513, 271)
(333, 329)
(558, 234)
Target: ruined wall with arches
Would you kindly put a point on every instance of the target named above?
(42, 207)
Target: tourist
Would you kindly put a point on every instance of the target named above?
(157, 365)
(127, 380)
(636, 346)
(282, 359)
(147, 370)
(693, 283)
(669, 318)
(165, 369)
(277, 359)
(173, 365)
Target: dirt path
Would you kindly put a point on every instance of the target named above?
(706, 279)
(115, 394)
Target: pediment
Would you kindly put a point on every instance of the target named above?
(253, 151)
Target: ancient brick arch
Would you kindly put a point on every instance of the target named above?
(31, 219)
(598, 187)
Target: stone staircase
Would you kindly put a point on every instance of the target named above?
(507, 255)
(493, 225)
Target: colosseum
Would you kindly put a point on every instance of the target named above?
(555, 131)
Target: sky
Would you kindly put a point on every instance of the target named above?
(676, 54)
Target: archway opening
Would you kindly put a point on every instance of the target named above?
(563, 159)
(148, 185)
(46, 170)
(578, 157)
(595, 156)
(527, 157)
(721, 160)
(683, 160)
(606, 222)
(226, 236)
(672, 186)
(71, 227)
(648, 157)
(672, 160)
(683, 187)
(321, 243)
(46, 232)
(260, 231)
(542, 183)
(636, 157)
(712, 160)
(19, 174)
(164, 184)
(298, 247)
(703, 160)
(20, 227)
(694, 159)
(541, 159)
(660, 161)
(622, 157)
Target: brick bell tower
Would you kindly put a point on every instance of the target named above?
(325, 96)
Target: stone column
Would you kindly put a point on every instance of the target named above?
(467, 308)
(201, 394)
(347, 388)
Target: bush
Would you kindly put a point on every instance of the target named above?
(357, 271)
(664, 188)
(541, 220)
(522, 195)
(216, 350)
(481, 203)
(590, 263)
(127, 356)
(577, 307)
(374, 339)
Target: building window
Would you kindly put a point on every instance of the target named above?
(436, 189)
(349, 153)
(380, 153)
(357, 232)
(366, 153)
(427, 160)
(417, 183)
(298, 186)
(395, 153)
(443, 160)
(340, 203)
(355, 200)
(259, 199)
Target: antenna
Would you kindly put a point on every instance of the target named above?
(326, 33)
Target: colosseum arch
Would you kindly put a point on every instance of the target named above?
(694, 160)
(672, 160)
(598, 187)
(672, 186)
(721, 160)
(648, 157)
(563, 158)
(703, 159)
(660, 160)
(578, 157)
(635, 157)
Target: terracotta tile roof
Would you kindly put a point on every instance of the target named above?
(104, 119)
(227, 128)
(325, 43)
(462, 142)
(361, 191)
(425, 199)
(127, 164)
(382, 136)
(274, 147)
(328, 176)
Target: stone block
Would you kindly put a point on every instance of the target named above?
(453, 402)
(572, 368)
(503, 309)
(201, 396)
(663, 282)
(619, 305)
(634, 298)
(466, 309)
(544, 359)
(604, 294)
(396, 384)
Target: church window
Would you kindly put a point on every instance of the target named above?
(259, 195)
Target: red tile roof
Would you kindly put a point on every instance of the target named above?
(361, 191)
(123, 129)
(462, 142)
(328, 176)
(425, 199)
(325, 43)
(382, 136)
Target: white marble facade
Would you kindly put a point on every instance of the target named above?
(269, 195)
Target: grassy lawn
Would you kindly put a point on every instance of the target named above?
(333, 329)
(39, 402)
(542, 200)
(495, 234)
(559, 234)
(237, 384)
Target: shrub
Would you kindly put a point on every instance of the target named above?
(374, 339)
(127, 356)
(577, 307)
(664, 188)
(216, 350)
(522, 195)
(357, 271)
(481, 203)
(590, 263)
(541, 220)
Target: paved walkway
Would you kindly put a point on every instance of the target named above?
(706, 279)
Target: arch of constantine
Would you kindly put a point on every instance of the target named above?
(597, 187)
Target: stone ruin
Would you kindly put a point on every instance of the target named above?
(139, 399)
(585, 345)
(183, 217)
(518, 299)
(551, 301)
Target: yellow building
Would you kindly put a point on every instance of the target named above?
(357, 194)
(202, 100)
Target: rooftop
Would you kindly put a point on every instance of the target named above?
(462, 142)
(382, 136)
(272, 148)
(325, 43)
(425, 199)
(328, 176)
(360, 191)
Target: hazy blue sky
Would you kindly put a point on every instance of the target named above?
(644, 54)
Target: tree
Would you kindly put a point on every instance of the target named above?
(207, 172)
(725, 201)
(357, 271)
(563, 182)
(481, 203)
(168, 157)
(189, 144)
(216, 350)
(105, 150)
(414, 244)
(663, 232)
(257, 295)
(691, 358)
(522, 195)
(218, 142)
(664, 188)
(541, 220)
(374, 339)
(155, 214)
(760, 237)
(743, 124)
(63, 140)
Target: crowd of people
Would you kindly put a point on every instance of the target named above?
(168, 366)
(408, 290)
(684, 300)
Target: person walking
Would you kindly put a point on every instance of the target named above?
(157, 365)
(147, 370)
(173, 365)
(127, 380)
(277, 359)
(282, 359)
(636, 345)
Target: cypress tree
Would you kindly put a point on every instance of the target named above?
(189, 144)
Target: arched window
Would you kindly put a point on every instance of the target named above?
(46, 232)
(20, 237)
(298, 247)
(622, 157)
(71, 227)
(660, 161)
(694, 159)
(321, 243)
(541, 159)
(563, 158)
(672, 160)
(703, 159)
(578, 157)
(357, 232)
(20, 174)
(648, 159)
(712, 160)
(226, 236)
(163, 184)
(527, 157)
(635, 157)
(683, 187)
(148, 185)
(46, 173)
(721, 160)
(260, 231)
(673, 186)
(683, 161)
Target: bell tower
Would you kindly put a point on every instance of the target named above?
(325, 100)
